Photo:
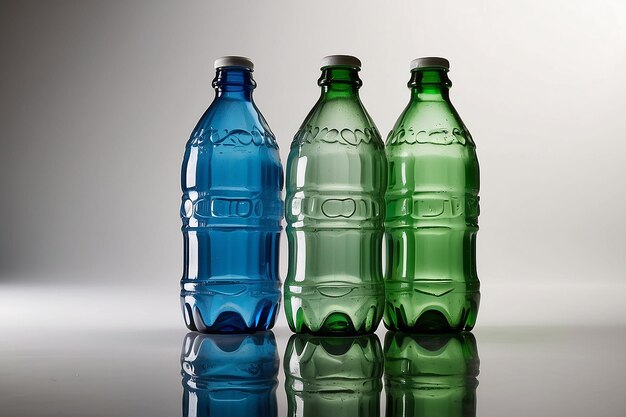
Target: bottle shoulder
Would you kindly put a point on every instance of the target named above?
(342, 122)
(432, 122)
(232, 124)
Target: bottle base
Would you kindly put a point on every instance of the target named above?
(336, 324)
(335, 309)
(214, 311)
(420, 312)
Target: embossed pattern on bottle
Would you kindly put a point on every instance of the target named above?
(335, 215)
(432, 209)
(231, 212)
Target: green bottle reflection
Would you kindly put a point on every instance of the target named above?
(431, 375)
(333, 376)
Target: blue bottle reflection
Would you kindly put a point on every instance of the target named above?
(333, 376)
(229, 375)
(431, 375)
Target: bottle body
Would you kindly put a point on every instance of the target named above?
(432, 214)
(229, 375)
(334, 376)
(231, 213)
(431, 375)
(335, 211)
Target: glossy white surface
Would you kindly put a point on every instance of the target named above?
(565, 371)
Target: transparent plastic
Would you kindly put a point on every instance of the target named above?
(335, 214)
(231, 212)
(431, 281)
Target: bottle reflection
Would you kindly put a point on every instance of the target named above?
(431, 375)
(333, 376)
(229, 375)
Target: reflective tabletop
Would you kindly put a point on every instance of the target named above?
(518, 371)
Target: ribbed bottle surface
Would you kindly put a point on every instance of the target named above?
(432, 213)
(231, 212)
(335, 214)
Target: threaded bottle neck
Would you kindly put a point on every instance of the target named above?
(339, 81)
(234, 82)
(429, 84)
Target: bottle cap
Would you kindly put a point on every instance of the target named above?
(234, 61)
(340, 61)
(430, 62)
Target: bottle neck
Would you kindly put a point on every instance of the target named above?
(339, 82)
(430, 84)
(234, 83)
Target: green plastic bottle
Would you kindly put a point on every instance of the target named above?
(432, 210)
(431, 375)
(333, 376)
(336, 177)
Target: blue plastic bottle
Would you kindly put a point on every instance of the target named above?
(229, 375)
(231, 210)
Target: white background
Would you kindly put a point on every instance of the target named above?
(97, 101)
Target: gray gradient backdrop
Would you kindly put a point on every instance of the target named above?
(97, 100)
